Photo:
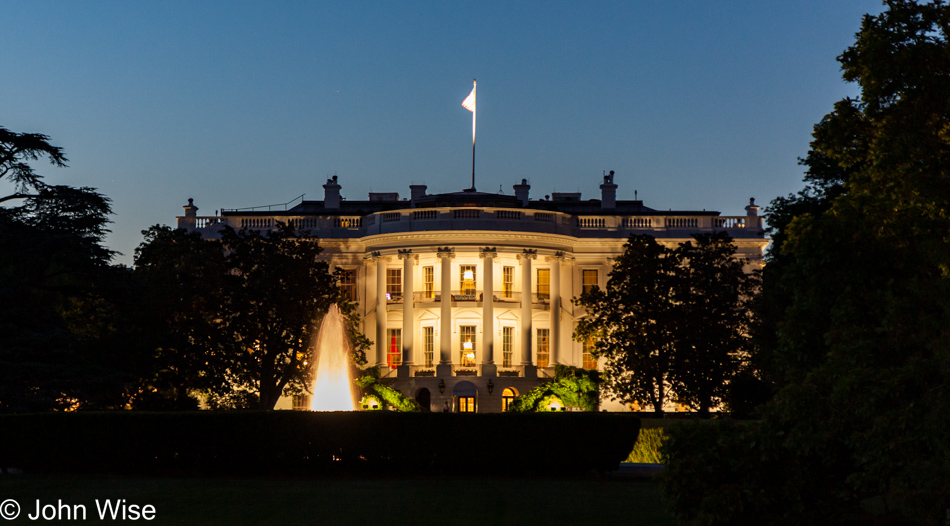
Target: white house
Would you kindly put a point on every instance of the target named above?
(468, 295)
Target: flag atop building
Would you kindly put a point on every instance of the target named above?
(469, 102)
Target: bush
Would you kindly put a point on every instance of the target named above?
(647, 448)
(297, 442)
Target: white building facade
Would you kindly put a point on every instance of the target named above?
(467, 295)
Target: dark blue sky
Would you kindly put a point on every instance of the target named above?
(694, 104)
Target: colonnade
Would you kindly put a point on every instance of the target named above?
(487, 355)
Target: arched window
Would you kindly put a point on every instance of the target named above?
(507, 397)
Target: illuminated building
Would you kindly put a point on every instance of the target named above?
(467, 295)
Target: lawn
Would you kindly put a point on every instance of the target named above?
(475, 500)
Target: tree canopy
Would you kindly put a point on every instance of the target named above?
(855, 308)
(671, 323)
(238, 315)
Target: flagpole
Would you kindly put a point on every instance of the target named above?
(474, 111)
(470, 104)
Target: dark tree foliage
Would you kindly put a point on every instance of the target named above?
(61, 324)
(672, 323)
(633, 322)
(855, 309)
(235, 317)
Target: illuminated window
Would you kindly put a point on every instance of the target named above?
(428, 282)
(588, 355)
(507, 281)
(544, 347)
(393, 283)
(428, 345)
(544, 283)
(467, 339)
(394, 355)
(507, 397)
(465, 404)
(507, 342)
(301, 402)
(467, 277)
(589, 280)
(348, 283)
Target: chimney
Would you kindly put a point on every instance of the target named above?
(752, 221)
(189, 222)
(416, 192)
(608, 192)
(331, 194)
(521, 192)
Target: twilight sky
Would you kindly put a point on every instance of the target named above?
(694, 104)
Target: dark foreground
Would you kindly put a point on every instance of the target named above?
(336, 501)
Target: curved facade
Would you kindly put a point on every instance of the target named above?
(468, 295)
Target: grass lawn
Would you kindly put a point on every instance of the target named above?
(351, 500)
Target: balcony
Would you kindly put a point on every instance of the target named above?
(462, 296)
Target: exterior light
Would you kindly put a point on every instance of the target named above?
(441, 386)
(491, 386)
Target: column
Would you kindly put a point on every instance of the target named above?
(488, 255)
(556, 307)
(380, 308)
(445, 328)
(526, 288)
(408, 327)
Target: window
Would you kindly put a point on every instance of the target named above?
(544, 284)
(348, 283)
(544, 347)
(467, 280)
(588, 355)
(507, 397)
(507, 337)
(301, 402)
(465, 404)
(467, 340)
(394, 354)
(588, 280)
(393, 284)
(428, 282)
(507, 281)
(428, 343)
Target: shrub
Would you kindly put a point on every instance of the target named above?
(647, 448)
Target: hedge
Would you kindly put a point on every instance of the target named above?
(296, 442)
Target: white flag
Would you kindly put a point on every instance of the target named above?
(469, 102)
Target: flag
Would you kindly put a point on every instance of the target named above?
(469, 102)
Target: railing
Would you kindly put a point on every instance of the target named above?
(591, 222)
(637, 222)
(391, 217)
(508, 215)
(729, 222)
(682, 222)
(204, 222)
(257, 222)
(423, 215)
(348, 222)
(546, 217)
(393, 297)
(434, 296)
(466, 213)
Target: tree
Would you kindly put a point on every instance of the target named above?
(59, 321)
(239, 313)
(856, 303)
(633, 323)
(712, 295)
(672, 323)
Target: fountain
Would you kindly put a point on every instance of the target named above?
(331, 366)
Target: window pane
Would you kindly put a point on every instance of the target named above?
(589, 361)
(393, 283)
(428, 280)
(467, 279)
(429, 344)
(348, 283)
(544, 283)
(544, 352)
(589, 280)
(507, 335)
(507, 281)
(467, 340)
(394, 343)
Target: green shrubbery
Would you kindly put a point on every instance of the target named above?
(647, 448)
(392, 397)
(572, 387)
